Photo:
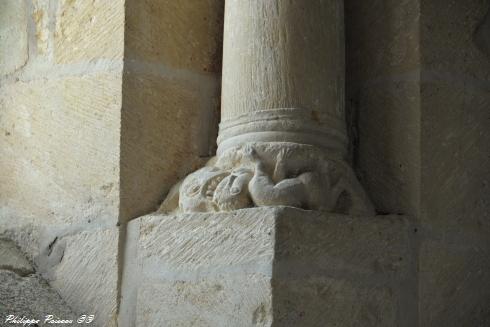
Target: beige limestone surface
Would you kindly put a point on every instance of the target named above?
(170, 108)
(85, 137)
(268, 56)
(60, 107)
(73, 163)
(13, 36)
(89, 30)
(184, 34)
(267, 266)
(283, 74)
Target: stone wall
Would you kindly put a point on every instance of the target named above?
(455, 176)
(104, 105)
(419, 75)
(61, 65)
(383, 100)
(170, 96)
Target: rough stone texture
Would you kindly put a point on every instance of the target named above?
(268, 266)
(60, 107)
(13, 35)
(11, 258)
(325, 302)
(422, 77)
(170, 96)
(455, 133)
(157, 143)
(282, 86)
(455, 283)
(23, 233)
(23, 293)
(221, 301)
(283, 74)
(283, 56)
(418, 73)
(41, 18)
(383, 100)
(455, 130)
(270, 174)
(61, 135)
(83, 268)
(89, 30)
(183, 35)
(30, 297)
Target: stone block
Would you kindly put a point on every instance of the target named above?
(83, 268)
(183, 34)
(220, 301)
(455, 170)
(40, 16)
(388, 149)
(59, 148)
(382, 38)
(383, 100)
(324, 301)
(89, 30)
(13, 35)
(161, 130)
(449, 43)
(454, 283)
(266, 266)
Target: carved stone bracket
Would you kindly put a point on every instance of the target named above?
(270, 174)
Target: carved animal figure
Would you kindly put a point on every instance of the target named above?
(307, 190)
(248, 180)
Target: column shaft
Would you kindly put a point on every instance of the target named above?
(283, 73)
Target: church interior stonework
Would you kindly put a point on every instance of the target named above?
(235, 163)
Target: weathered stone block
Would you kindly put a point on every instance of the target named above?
(83, 268)
(267, 266)
(183, 34)
(455, 173)
(389, 120)
(155, 108)
(244, 300)
(326, 301)
(40, 15)
(89, 30)
(382, 38)
(454, 287)
(13, 35)
(448, 40)
(59, 148)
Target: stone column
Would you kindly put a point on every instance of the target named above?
(281, 144)
(282, 137)
(283, 74)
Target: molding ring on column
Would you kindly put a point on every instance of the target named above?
(295, 125)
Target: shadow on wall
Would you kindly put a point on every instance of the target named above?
(482, 35)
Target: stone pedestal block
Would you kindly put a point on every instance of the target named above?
(268, 266)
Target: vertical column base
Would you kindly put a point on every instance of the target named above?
(269, 266)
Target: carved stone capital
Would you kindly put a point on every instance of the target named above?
(270, 174)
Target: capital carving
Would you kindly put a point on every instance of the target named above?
(270, 174)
